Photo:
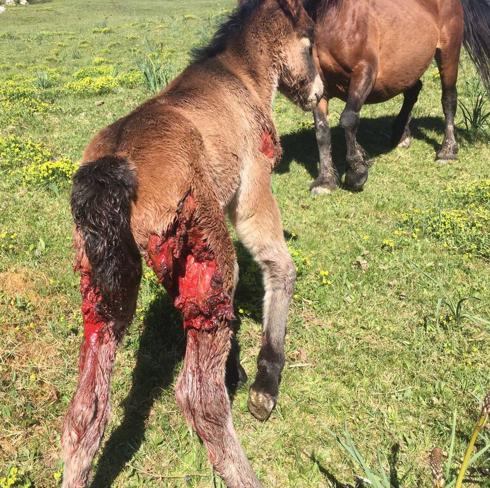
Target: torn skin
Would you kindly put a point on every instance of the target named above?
(268, 147)
(187, 267)
(93, 321)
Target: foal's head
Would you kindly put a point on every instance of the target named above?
(299, 78)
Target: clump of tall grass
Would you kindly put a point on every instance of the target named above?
(443, 473)
(475, 111)
(157, 66)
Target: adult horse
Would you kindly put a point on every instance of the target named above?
(157, 184)
(372, 50)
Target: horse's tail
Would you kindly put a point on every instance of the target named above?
(477, 36)
(101, 199)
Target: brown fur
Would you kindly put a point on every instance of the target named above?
(204, 146)
(372, 50)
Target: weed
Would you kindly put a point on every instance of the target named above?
(461, 221)
(43, 80)
(476, 112)
(156, 74)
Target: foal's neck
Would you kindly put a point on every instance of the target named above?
(253, 58)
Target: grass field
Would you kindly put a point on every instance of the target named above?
(376, 343)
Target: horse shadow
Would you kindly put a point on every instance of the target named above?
(161, 349)
(374, 136)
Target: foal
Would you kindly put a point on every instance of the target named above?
(157, 184)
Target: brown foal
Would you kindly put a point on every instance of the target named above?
(158, 183)
(372, 50)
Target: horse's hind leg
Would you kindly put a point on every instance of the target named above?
(361, 84)
(327, 180)
(447, 58)
(105, 321)
(401, 135)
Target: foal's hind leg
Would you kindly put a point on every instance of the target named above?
(327, 180)
(258, 224)
(447, 59)
(202, 395)
(361, 84)
(105, 321)
(401, 135)
(196, 262)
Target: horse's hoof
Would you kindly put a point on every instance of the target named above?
(323, 187)
(445, 158)
(445, 161)
(260, 404)
(321, 190)
(354, 180)
(405, 143)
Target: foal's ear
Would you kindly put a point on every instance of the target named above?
(293, 8)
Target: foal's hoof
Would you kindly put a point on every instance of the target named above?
(260, 404)
(355, 180)
(322, 187)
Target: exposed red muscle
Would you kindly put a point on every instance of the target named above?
(93, 321)
(187, 267)
(268, 147)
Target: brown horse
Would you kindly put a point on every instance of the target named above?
(158, 183)
(372, 50)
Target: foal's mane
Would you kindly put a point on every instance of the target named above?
(229, 28)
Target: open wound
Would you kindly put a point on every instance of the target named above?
(187, 267)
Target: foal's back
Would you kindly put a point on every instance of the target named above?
(188, 137)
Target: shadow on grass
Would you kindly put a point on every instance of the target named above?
(336, 483)
(161, 348)
(374, 136)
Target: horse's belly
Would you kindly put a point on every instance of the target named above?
(407, 44)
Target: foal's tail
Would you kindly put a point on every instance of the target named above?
(477, 36)
(102, 194)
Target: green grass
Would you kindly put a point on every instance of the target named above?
(371, 346)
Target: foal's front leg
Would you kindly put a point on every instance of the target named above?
(258, 224)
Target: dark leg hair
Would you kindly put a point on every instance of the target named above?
(361, 83)
(258, 223)
(327, 180)
(447, 62)
(401, 135)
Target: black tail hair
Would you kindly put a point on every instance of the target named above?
(101, 198)
(477, 36)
